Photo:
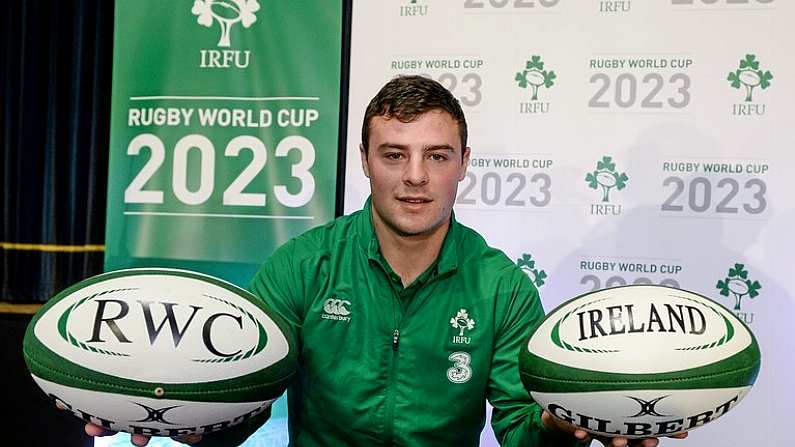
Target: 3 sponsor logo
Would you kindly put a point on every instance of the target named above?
(461, 371)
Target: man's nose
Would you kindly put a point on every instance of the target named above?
(416, 172)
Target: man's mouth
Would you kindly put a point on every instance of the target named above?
(414, 200)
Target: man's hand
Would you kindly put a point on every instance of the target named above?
(585, 438)
(139, 440)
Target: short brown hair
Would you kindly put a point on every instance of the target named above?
(408, 97)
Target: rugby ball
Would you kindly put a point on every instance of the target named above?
(639, 361)
(160, 352)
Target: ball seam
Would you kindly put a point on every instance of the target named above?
(675, 379)
(148, 390)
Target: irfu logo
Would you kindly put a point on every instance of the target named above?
(606, 177)
(227, 13)
(535, 76)
(738, 285)
(528, 265)
(749, 76)
(413, 8)
(462, 322)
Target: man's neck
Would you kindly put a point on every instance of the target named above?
(409, 256)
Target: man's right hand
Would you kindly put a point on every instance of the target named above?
(139, 440)
(96, 430)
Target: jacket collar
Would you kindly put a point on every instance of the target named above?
(447, 261)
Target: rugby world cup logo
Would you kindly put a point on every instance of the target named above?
(124, 323)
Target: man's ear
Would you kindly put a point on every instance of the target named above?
(464, 163)
(365, 165)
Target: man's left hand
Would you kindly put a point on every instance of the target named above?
(585, 438)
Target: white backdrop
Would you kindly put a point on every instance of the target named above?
(656, 149)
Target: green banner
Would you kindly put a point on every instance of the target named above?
(224, 127)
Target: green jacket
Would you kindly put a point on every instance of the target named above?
(385, 365)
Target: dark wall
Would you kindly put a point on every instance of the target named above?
(30, 419)
(55, 72)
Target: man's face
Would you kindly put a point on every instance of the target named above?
(414, 169)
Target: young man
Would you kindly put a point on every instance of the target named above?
(407, 321)
(432, 318)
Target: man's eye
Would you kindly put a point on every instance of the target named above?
(393, 155)
(438, 157)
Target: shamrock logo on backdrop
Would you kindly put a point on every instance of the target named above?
(606, 177)
(528, 265)
(226, 13)
(535, 76)
(749, 76)
(738, 284)
(461, 321)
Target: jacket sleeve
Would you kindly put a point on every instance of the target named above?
(516, 417)
(276, 284)
(281, 284)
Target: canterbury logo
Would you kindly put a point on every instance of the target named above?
(334, 306)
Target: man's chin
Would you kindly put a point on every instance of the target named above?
(410, 224)
(413, 229)
(412, 232)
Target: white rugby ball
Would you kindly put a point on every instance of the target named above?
(160, 352)
(639, 361)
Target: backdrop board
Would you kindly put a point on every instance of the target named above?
(219, 151)
(224, 129)
(618, 142)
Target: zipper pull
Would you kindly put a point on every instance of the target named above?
(395, 339)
